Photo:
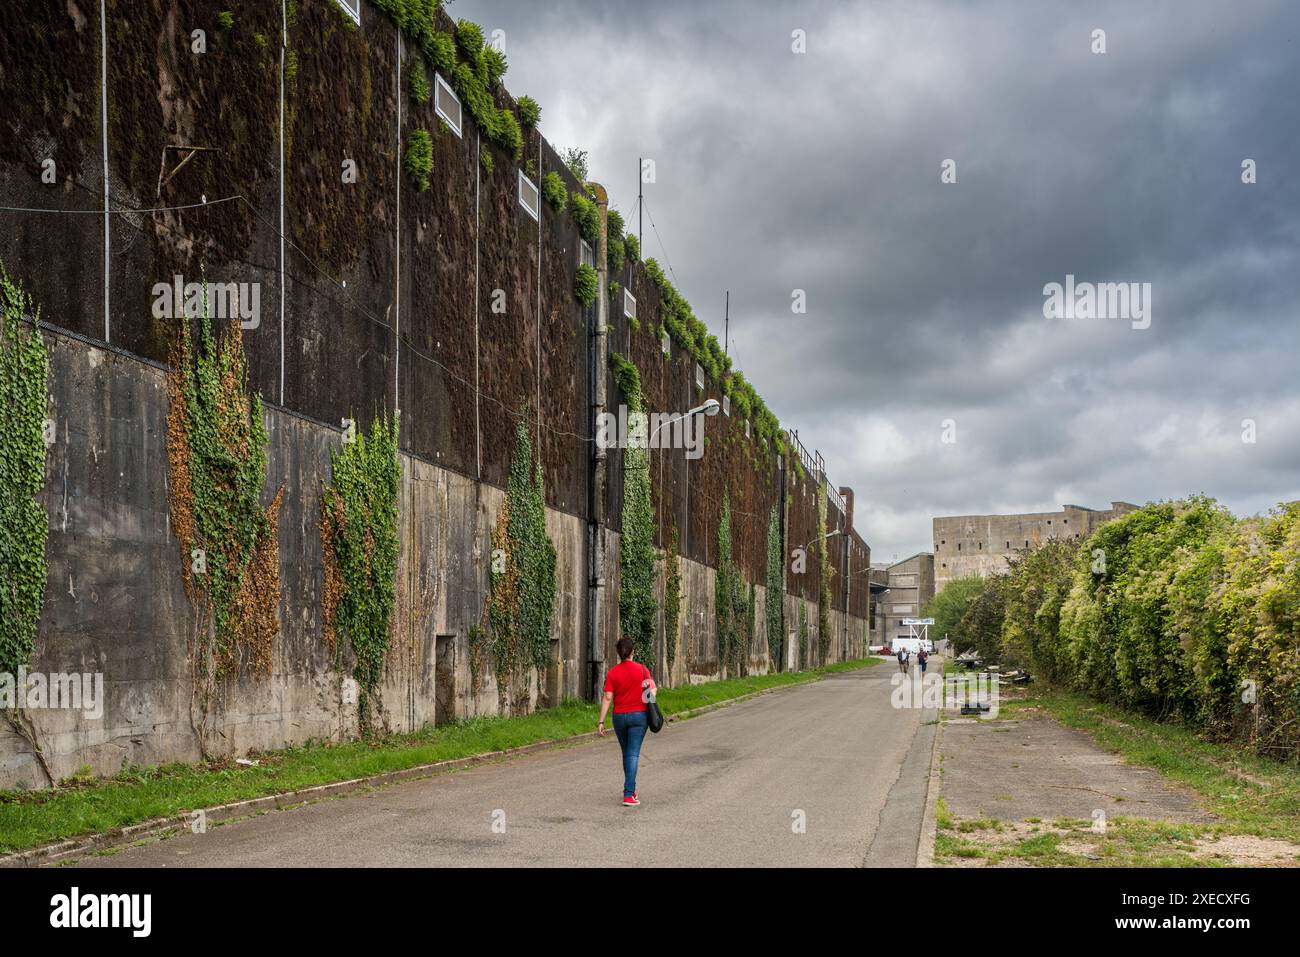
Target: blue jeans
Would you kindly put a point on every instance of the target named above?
(630, 729)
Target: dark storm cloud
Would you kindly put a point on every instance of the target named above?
(820, 172)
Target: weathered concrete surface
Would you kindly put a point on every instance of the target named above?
(726, 788)
(115, 602)
(1009, 770)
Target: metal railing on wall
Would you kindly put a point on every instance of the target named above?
(815, 467)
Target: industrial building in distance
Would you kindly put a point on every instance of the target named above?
(906, 588)
(982, 544)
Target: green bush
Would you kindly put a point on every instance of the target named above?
(587, 217)
(469, 40)
(492, 65)
(949, 605)
(633, 247)
(418, 161)
(554, 192)
(530, 114)
(440, 48)
(508, 134)
(586, 285)
(225, 20)
(1176, 609)
(419, 82)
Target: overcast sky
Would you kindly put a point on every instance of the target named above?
(821, 171)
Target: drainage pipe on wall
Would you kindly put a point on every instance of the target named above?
(599, 461)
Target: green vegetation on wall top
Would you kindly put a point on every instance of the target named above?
(530, 114)
(472, 68)
(693, 336)
(587, 217)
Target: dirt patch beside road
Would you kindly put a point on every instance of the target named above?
(1009, 770)
(1026, 791)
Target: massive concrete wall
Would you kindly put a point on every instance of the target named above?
(373, 296)
(116, 604)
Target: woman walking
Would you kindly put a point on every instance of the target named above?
(626, 685)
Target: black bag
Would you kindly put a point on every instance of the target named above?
(654, 718)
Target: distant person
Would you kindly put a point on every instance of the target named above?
(901, 655)
(921, 658)
(625, 685)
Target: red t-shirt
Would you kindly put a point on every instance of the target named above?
(624, 679)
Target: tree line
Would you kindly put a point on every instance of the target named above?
(1178, 610)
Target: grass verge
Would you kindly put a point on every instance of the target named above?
(87, 805)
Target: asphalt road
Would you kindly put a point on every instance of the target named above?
(730, 787)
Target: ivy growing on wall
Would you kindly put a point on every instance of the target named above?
(216, 450)
(774, 591)
(803, 634)
(24, 526)
(672, 595)
(751, 611)
(521, 581)
(636, 554)
(359, 538)
(824, 599)
(729, 597)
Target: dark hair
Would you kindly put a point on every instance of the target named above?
(625, 647)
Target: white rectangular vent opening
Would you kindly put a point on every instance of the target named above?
(699, 376)
(352, 8)
(665, 342)
(446, 103)
(529, 198)
(747, 428)
(726, 405)
(629, 304)
(585, 256)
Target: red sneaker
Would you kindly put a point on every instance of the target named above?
(630, 801)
